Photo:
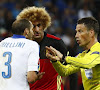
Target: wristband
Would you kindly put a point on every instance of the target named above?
(63, 58)
(53, 61)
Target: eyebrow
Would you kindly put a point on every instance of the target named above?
(36, 25)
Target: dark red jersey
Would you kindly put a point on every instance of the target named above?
(50, 80)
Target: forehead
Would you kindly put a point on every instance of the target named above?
(36, 22)
(81, 27)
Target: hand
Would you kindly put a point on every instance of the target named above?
(53, 54)
(40, 75)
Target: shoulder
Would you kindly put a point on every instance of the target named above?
(96, 47)
(31, 43)
(6, 39)
(52, 36)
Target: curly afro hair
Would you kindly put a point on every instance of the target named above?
(36, 14)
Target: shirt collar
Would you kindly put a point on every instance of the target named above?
(96, 44)
(18, 36)
(43, 38)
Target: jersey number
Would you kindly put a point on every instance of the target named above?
(7, 64)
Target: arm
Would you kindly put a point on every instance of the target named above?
(64, 70)
(55, 56)
(61, 47)
(33, 59)
(88, 61)
(91, 59)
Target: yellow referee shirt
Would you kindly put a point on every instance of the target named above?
(89, 64)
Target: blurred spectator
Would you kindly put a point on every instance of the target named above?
(58, 32)
(28, 3)
(69, 19)
(8, 20)
(61, 5)
(84, 12)
(16, 10)
(69, 16)
(2, 18)
(9, 4)
(67, 40)
(54, 24)
(3, 33)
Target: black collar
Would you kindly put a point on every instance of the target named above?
(88, 50)
(43, 38)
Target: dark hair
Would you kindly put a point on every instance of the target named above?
(19, 26)
(90, 23)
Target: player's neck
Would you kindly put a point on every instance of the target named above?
(91, 43)
(38, 40)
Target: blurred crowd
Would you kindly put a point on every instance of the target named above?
(64, 14)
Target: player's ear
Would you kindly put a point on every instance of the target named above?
(26, 32)
(92, 33)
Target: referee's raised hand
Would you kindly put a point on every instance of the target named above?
(53, 54)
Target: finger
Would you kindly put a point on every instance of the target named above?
(47, 49)
(53, 49)
(49, 56)
(50, 51)
(56, 58)
(42, 73)
(53, 58)
(56, 52)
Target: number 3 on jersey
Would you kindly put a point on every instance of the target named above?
(7, 64)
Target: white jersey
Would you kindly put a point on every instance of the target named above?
(17, 57)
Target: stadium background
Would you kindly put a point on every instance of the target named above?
(64, 14)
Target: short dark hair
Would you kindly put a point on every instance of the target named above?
(90, 23)
(19, 26)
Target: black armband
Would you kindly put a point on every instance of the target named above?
(53, 61)
(63, 58)
(63, 61)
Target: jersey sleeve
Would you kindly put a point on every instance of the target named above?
(62, 47)
(88, 61)
(33, 58)
(65, 70)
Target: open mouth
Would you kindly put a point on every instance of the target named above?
(36, 34)
(78, 41)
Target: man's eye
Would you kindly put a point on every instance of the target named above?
(38, 25)
(80, 31)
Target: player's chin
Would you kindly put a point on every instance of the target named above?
(37, 37)
(81, 45)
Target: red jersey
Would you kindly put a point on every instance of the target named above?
(50, 80)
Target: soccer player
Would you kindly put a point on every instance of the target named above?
(41, 21)
(88, 61)
(19, 58)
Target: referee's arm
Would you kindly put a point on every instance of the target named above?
(86, 62)
(65, 70)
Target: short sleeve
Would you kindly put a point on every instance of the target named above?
(33, 58)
